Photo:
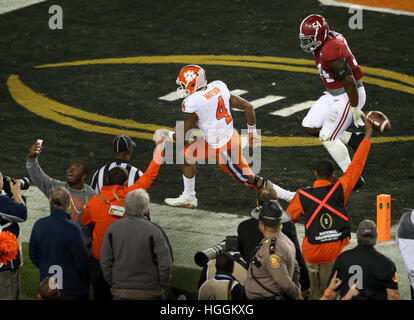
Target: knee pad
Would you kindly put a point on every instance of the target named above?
(324, 137)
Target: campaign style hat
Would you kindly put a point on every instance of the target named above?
(367, 228)
(123, 143)
(270, 212)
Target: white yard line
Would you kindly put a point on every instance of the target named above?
(263, 101)
(286, 112)
(11, 5)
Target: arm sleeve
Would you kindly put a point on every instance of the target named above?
(352, 174)
(107, 256)
(295, 208)
(80, 256)
(391, 280)
(13, 211)
(335, 50)
(163, 254)
(41, 179)
(150, 174)
(94, 182)
(189, 105)
(281, 276)
(33, 248)
(283, 193)
(86, 216)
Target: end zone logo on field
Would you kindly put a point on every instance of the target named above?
(77, 118)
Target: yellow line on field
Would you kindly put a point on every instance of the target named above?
(66, 115)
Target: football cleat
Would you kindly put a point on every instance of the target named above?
(355, 140)
(190, 79)
(182, 201)
(312, 32)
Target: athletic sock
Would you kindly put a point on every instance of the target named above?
(339, 153)
(283, 193)
(189, 186)
(345, 136)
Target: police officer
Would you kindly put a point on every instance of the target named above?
(274, 271)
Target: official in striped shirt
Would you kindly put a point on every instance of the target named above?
(123, 148)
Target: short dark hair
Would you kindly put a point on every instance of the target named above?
(265, 194)
(224, 263)
(325, 168)
(117, 175)
(85, 168)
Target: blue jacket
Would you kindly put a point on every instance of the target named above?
(56, 243)
(11, 213)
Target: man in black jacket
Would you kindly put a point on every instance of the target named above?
(12, 211)
(375, 275)
(58, 249)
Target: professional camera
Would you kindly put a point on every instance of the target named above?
(229, 244)
(24, 184)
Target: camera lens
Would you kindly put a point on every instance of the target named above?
(24, 183)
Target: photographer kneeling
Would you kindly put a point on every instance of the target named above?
(224, 286)
(12, 211)
(207, 260)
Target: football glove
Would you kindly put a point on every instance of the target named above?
(357, 114)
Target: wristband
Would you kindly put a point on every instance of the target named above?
(328, 292)
(171, 134)
(251, 129)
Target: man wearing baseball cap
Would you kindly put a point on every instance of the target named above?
(273, 273)
(374, 273)
(123, 147)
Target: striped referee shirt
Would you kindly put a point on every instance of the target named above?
(99, 180)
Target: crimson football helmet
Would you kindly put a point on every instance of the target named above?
(190, 79)
(312, 32)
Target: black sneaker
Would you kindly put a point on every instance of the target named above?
(360, 183)
(355, 140)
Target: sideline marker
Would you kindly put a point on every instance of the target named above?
(384, 217)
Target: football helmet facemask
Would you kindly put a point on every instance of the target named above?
(312, 32)
(190, 79)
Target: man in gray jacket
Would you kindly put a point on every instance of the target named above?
(136, 257)
(79, 191)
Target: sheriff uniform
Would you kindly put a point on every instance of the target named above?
(274, 271)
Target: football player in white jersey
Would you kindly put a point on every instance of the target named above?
(207, 105)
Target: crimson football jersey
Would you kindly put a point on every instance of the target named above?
(335, 47)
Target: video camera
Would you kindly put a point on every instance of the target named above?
(229, 244)
(24, 184)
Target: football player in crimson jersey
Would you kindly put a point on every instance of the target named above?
(332, 114)
(208, 105)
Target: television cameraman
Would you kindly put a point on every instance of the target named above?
(12, 211)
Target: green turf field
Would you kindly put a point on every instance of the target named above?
(117, 29)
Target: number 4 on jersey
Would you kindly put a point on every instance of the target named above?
(222, 111)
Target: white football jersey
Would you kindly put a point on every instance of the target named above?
(212, 108)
